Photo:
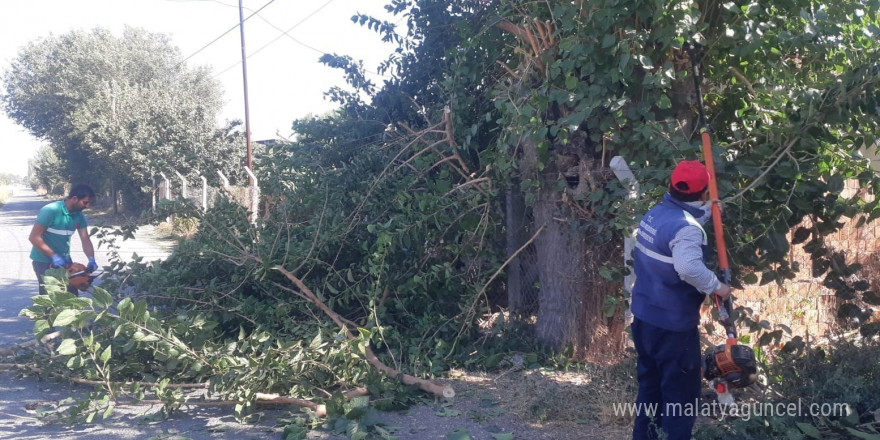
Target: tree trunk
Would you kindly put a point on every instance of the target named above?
(563, 313)
(572, 293)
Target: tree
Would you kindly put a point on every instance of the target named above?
(45, 171)
(790, 92)
(116, 110)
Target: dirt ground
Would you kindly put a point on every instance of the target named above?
(513, 405)
(525, 404)
(522, 405)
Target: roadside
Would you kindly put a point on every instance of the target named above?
(23, 397)
(513, 404)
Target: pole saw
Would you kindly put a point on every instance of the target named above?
(731, 364)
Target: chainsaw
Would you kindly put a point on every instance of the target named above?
(79, 277)
(729, 365)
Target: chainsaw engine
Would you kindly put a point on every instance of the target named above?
(734, 364)
(79, 278)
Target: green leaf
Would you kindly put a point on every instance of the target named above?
(571, 82)
(608, 40)
(102, 298)
(66, 317)
(835, 184)
(862, 434)
(41, 326)
(809, 430)
(75, 362)
(125, 305)
(140, 311)
(105, 355)
(871, 298)
(67, 347)
(295, 432)
(140, 336)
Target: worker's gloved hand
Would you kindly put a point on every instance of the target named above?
(58, 261)
(68, 261)
(92, 266)
(723, 291)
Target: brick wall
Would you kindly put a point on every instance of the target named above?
(803, 303)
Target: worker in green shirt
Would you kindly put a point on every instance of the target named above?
(56, 223)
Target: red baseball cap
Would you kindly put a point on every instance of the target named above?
(690, 177)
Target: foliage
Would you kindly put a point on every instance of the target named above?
(117, 110)
(390, 210)
(411, 275)
(135, 351)
(47, 171)
(790, 93)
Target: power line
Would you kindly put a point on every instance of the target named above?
(285, 33)
(279, 37)
(228, 31)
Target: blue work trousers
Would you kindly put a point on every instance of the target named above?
(669, 381)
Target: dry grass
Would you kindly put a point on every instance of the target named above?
(574, 404)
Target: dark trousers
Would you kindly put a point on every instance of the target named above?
(668, 372)
(40, 269)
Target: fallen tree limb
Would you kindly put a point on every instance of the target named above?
(425, 385)
(8, 351)
(9, 368)
(262, 399)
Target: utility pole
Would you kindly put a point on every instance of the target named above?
(247, 119)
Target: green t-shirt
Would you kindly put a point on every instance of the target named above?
(60, 225)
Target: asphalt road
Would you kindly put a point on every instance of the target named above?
(21, 395)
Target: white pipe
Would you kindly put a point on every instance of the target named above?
(255, 195)
(625, 175)
(204, 193)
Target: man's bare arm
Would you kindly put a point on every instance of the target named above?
(36, 239)
(88, 249)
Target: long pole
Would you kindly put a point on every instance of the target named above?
(247, 118)
(725, 308)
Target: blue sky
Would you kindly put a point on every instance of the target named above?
(285, 80)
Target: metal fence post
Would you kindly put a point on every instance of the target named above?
(167, 186)
(182, 184)
(224, 179)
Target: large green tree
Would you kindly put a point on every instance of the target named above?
(118, 110)
(789, 88)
